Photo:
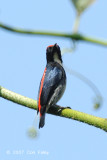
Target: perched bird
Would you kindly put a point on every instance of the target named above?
(53, 82)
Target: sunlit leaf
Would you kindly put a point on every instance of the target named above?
(81, 5)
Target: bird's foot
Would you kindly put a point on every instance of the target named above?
(61, 108)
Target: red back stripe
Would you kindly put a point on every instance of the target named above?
(40, 91)
(50, 46)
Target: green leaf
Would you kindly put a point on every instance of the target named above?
(81, 5)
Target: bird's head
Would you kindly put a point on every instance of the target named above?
(53, 54)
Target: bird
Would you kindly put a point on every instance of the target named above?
(53, 82)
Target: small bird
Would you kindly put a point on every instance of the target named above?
(53, 82)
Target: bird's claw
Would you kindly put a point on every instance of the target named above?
(61, 108)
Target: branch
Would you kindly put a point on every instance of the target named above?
(56, 34)
(67, 113)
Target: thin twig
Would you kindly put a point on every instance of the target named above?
(78, 37)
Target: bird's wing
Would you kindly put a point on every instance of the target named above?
(49, 82)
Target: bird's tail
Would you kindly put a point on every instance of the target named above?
(42, 121)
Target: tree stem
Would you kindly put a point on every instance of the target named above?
(67, 113)
(74, 36)
(76, 23)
